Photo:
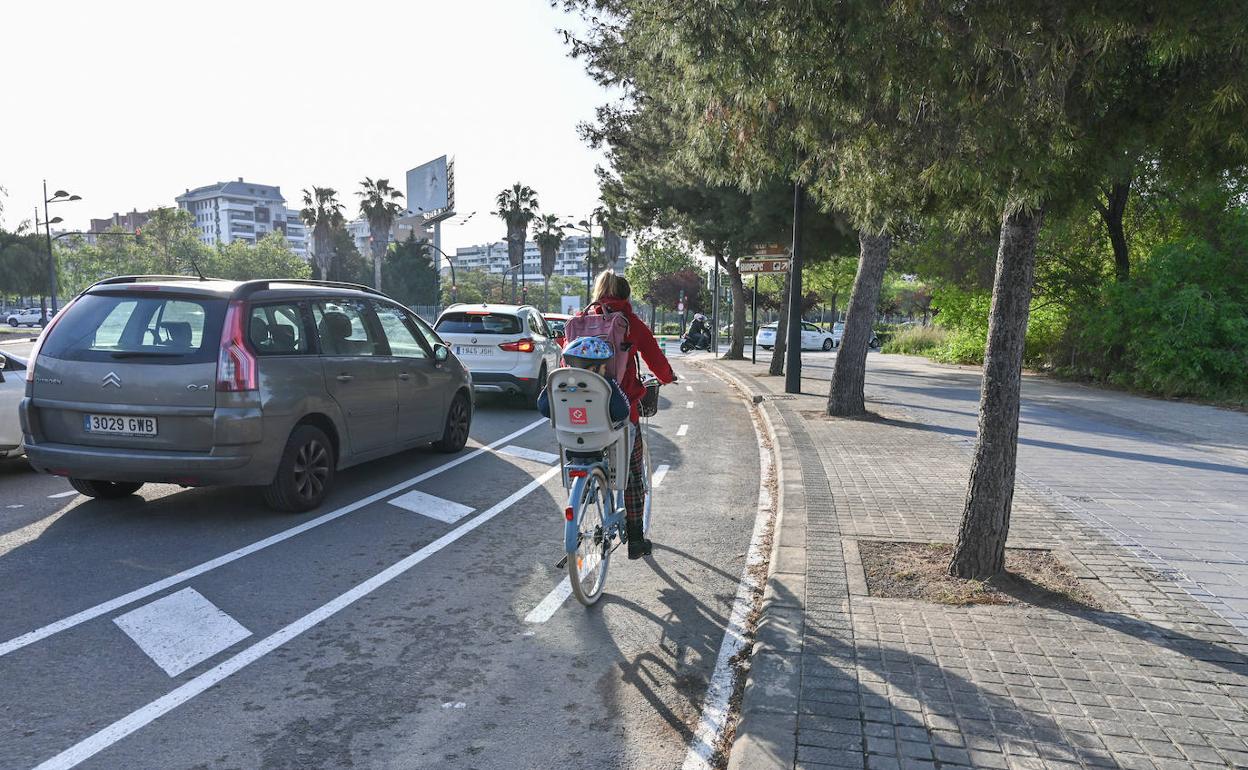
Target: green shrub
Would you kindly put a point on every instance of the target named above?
(1179, 327)
(916, 340)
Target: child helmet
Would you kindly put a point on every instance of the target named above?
(587, 351)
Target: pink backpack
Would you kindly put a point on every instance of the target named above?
(610, 326)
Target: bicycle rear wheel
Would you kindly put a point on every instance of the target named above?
(587, 565)
(647, 471)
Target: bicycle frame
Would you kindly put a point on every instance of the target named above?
(576, 477)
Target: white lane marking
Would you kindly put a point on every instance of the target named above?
(70, 493)
(141, 717)
(438, 508)
(688, 404)
(459, 704)
(715, 705)
(689, 388)
(682, 430)
(525, 453)
(181, 630)
(659, 474)
(151, 588)
(553, 601)
(18, 505)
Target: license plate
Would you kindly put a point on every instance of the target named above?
(474, 350)
(119, 425)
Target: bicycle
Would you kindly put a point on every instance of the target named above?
(594, 454)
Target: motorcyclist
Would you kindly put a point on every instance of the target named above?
(698, 333)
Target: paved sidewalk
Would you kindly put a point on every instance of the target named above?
(840, 679)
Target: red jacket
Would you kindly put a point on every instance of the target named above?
(645, 345)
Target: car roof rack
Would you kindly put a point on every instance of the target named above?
(247, 288)
(137, 278)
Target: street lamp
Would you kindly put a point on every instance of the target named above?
(454, 281)
(502, 288)
(586, 226)
(60, 196)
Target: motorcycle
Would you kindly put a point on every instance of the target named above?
(687, 343)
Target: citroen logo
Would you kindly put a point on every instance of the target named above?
(111, 379)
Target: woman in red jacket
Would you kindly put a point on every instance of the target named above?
(611, 293)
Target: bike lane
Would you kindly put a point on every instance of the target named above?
(437, 667)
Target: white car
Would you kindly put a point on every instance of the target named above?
(31, 316)
(12, 389)
(507, 348)
(813, 338)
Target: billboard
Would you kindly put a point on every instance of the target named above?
(429, 187)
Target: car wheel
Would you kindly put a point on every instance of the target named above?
(458, 425)
(305, 472)
(13, 322)
(767, 347)
(531, 397)
(105, 490)
(827, 344)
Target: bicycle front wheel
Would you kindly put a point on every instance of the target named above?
(587, 565)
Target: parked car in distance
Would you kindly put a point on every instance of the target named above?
(556, 322)
(12, 388)
(813, 338)
(508, 348)
(277, 384)
(31, 316)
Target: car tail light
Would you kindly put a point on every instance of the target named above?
(34, 351)
(519, 346)
(236, 366)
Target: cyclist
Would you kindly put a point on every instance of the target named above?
(611, 294)
(591, 353)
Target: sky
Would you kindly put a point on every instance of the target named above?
(138, 101)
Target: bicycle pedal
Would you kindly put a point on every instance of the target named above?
(562, 562)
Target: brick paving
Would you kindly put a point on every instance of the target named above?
(1158, 679)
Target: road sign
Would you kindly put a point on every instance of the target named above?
(755, 266)
(771, 250)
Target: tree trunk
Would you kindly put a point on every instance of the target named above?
(835, 316)
(845, 396)
(782, 326)
(980, 550)
(736, 343)
(1112, 214)
(379, 250)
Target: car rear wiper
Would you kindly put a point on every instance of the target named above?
(144, 354)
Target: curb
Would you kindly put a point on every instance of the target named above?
(766, 732)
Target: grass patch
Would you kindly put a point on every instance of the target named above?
(916, 340)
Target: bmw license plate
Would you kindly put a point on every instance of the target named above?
(474, 350)
(119, 425)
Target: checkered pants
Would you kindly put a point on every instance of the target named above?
(635, 490)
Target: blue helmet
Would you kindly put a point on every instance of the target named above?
(587, 351)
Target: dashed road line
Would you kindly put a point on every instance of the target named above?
(688, 404)
(553, 601)
(682, 430)
(525, 453)
(660, 473)
(70, 493)
(181, 630)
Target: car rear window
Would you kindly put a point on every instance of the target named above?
(478, 323)
(161, 329)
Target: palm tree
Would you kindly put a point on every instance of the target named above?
(548, 236)
(377, 205)
(517, 207)
(322, 213)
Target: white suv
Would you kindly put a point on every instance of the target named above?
(28, 317)
(507, 348)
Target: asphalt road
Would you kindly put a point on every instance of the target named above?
(195, 628)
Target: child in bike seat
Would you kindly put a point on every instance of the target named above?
(591, 353)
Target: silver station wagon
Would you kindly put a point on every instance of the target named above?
(274, 383)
